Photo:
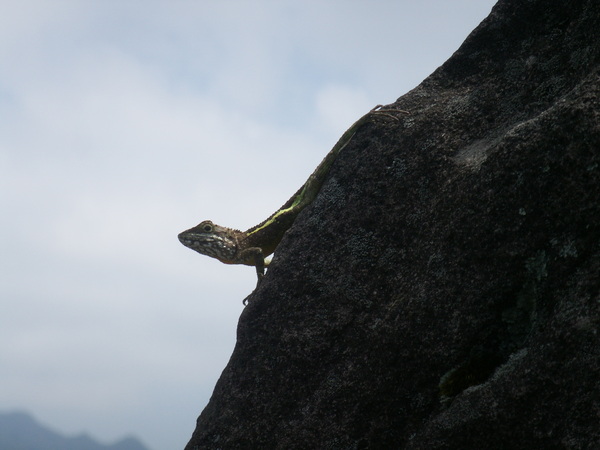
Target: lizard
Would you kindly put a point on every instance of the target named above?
(253, 246)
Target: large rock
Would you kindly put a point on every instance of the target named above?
(443, 289)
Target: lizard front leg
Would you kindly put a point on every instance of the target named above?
(254, 256)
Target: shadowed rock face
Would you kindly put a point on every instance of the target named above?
(443, 289)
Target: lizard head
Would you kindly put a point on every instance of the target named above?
(212, 240)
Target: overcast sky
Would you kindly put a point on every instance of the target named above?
(125, 122)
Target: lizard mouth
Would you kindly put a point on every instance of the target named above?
(187, 241)
(211, 245)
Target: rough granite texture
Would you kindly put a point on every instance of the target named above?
(443, 290)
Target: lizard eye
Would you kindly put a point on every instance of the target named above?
(207, 228)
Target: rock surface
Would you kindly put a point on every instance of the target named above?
(443, 290)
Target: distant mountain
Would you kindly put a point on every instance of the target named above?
(20, 431)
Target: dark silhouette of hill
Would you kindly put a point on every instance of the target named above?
(20, 431)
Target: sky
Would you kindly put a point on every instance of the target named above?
(125, 122)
